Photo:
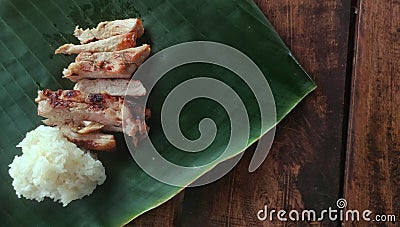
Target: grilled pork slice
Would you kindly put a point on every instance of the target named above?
(114, 43)
(96, 141)
(116, 87)
(90, 126)
(73, 108)
(107, 29)
(134, 117)
(112, 65)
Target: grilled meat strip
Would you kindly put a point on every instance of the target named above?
(89, 126)
(109, 28)
(114, 43)
(71, 107)
(116, 87)
(135, 117)
(96, 141)
(112, 65)
(74, 107)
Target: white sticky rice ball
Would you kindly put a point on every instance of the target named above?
(53, 167)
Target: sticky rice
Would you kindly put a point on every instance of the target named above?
(51, 166)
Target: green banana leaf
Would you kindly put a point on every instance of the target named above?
(31, 30)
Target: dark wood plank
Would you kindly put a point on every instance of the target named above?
(167, 214)
(373, 158)
(303, 169)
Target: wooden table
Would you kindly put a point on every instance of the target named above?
(342, 141)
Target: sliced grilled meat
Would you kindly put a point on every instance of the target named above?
(114, 43)
(112, 65)
(135, 116)
(116, 87)
(66, 107)
(89, 127)
(96, 141)
(109, 28)
(71, 107)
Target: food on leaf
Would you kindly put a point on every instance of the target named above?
(114, 43)
(111, 65)
(114, 87)
(108, 29)
(51, 166)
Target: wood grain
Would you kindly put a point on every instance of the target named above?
(303, 169)
(372, 164)
(165, 215)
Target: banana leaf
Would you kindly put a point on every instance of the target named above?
(31, 30)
